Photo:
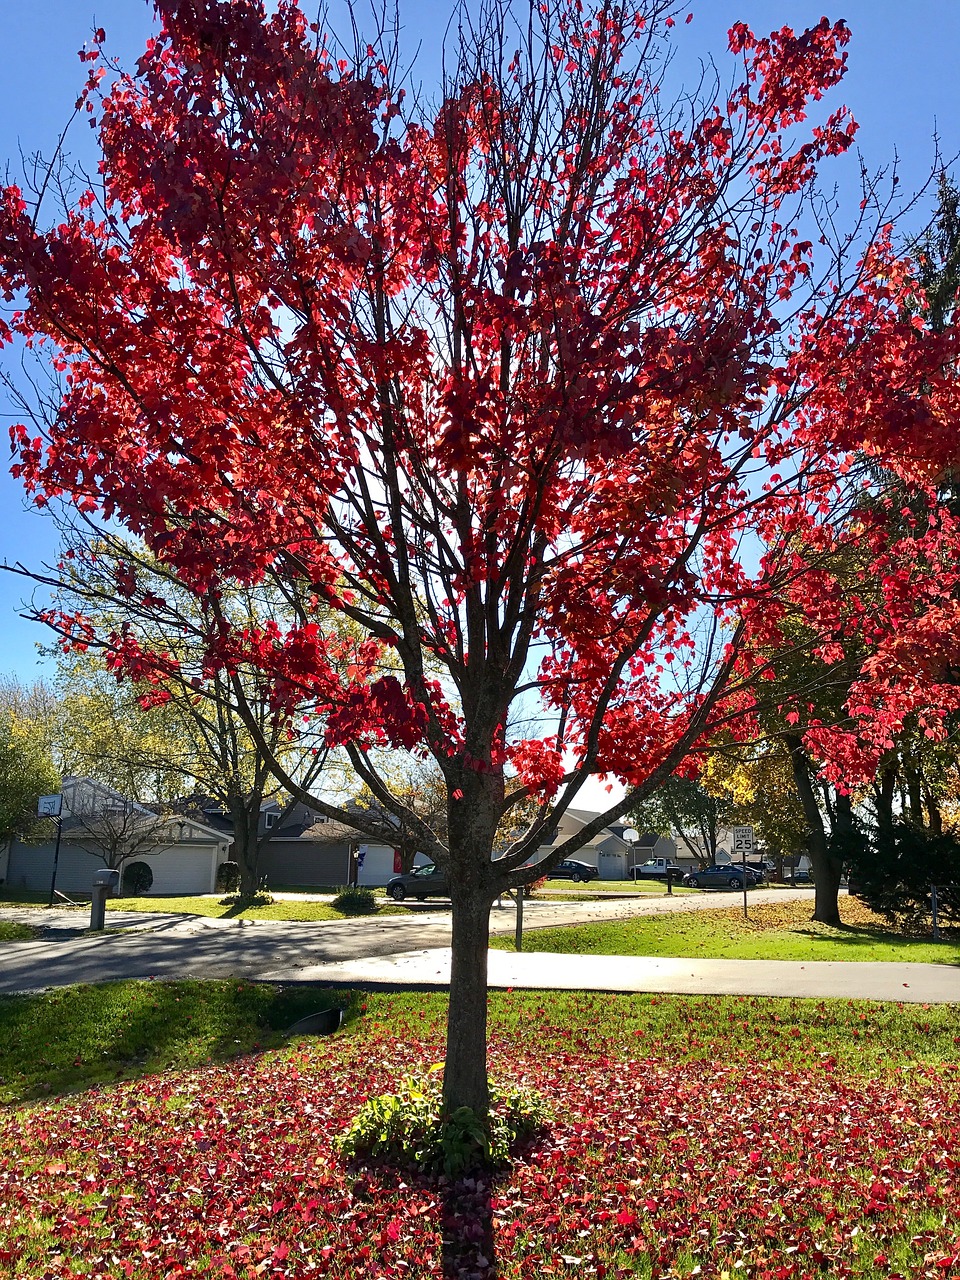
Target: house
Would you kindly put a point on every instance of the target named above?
(307, 849)
(100, 826)
(304, 849)
(610, 850)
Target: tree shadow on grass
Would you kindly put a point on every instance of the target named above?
(461, 1214)
(854, 936)
(72, 1038)
(468, 1248)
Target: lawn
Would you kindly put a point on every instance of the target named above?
(200, 905)
(13, 932)
(770, 1139)
(203, 906)
(298, 909)
(626, 887)
(775, 931)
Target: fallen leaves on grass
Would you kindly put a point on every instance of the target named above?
(764, 916)
(650, 1169)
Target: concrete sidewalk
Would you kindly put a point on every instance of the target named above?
(548, 971)
(413, 950)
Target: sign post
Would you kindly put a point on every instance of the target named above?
(743, 844)
(52, 807)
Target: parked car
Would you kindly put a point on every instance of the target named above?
(799, 877)
(657, 869)
(571, 869)
(728, 876)
(755, 872)
(765, 868)
(422, 882)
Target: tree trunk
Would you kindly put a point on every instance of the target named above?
(465, 1070)
(246, 847)
(914, 794)
(884, 799)
(826, 868)
(934, 816)
(248, 874)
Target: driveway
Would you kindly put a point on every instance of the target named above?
(179, 946)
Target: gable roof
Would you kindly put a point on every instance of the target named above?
(610, 837)
(84, 799)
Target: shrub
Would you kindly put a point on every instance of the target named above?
(894, 875)
(259, 899)
(137, 879)
(409, 1128)
(354, 901)
(228, 877)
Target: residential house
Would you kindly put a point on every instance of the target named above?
(610, 850)
(100, 825)
(304, 849)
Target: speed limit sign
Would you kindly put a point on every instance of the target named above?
(743, 839)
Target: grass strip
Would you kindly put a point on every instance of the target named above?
(74, 1037)
(200, 905)
(774, 931)
(11, 931)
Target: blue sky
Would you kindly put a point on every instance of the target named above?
(902, 84)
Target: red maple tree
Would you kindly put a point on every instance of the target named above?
(540, 389)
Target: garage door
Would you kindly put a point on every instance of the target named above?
(181, 871)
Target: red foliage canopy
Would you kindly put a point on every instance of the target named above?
(542, 391)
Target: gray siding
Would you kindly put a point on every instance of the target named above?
(31, 866)
(307, 862)
(184, 870)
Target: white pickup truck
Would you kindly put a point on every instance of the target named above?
(657, 869)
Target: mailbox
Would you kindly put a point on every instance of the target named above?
(105, 885)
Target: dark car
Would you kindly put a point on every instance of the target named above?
(422, 882)
(729, 876)
(764, 869)
(573, 870)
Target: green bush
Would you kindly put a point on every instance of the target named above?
(354, 901)
(228, 877)
(894, 874)
(409, 1128)
(137, 879)
(259, 899)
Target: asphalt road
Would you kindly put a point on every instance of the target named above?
(180, 946)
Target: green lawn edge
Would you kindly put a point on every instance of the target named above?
(693, 935)
(73, 1038)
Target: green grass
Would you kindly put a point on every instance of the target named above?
(74, 1037)
(22, 897)
(198, 905)
(201, 906)
(866, 1036)
(626, 887)
(13, 932)
(779, 931)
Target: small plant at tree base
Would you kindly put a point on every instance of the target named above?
(228, 877)
(409, 1128)
(354, 901)
(259, 899)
